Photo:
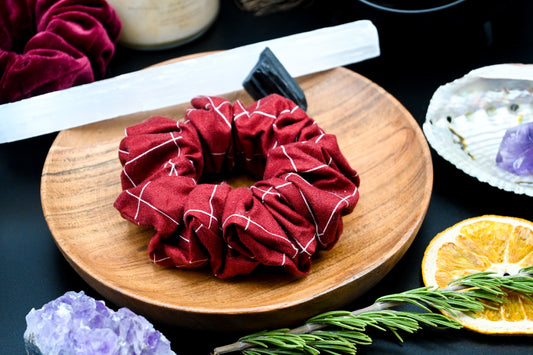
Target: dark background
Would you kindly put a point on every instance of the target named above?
(419, 53)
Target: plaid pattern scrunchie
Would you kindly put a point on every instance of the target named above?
(280, 221)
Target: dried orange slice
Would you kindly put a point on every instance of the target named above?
(503, 245)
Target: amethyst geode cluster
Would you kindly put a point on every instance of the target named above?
(78, 324)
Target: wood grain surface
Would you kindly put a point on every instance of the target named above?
(81, 180)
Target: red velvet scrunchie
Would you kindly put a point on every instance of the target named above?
(281, 220)
(48, 45)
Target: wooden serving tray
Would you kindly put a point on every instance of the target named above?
(81, 180)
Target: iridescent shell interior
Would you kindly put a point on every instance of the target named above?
(467, 118)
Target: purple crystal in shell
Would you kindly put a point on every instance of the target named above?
(78, 324)
(516, 150)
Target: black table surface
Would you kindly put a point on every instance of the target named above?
(418, 54)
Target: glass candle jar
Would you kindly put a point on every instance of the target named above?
(161, 24)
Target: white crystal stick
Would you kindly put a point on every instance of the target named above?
(176, 83)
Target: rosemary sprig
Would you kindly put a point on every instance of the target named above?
(340, 332)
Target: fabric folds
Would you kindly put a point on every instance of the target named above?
(48, 45)
(295, 209)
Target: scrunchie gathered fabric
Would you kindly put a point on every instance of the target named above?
(280, 221)
(48, 45)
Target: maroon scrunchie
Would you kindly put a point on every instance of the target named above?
(281, 220)
(48, 45)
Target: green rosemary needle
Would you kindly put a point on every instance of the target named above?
(340, 332)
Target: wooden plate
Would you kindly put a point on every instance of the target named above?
(376, 133)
